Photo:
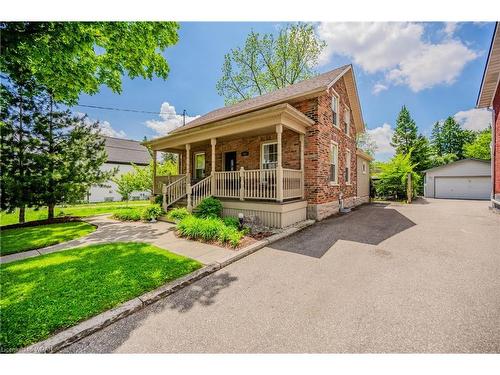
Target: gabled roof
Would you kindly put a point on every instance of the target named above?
(298, 90)
(126, 151)
(457, 162)
(491, 75)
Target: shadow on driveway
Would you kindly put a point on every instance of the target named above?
(369, 224)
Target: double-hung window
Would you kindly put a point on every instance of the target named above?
(269, 155)
(347, 121)
(335, 110)
(347, 170)
(199, 165)
(334, 163)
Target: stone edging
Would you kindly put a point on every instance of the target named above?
(98, 322)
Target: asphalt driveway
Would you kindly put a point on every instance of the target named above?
(399, 278)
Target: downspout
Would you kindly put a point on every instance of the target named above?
(494, 201)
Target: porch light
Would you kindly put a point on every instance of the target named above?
(240, 218)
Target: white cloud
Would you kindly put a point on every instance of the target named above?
(106, 128)
(433, 64)
(169, 120)
(382, 136)
(474, 119)
(379, 87)
(450, 28)
(398, 49)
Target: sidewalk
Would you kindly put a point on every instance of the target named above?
(160, 234)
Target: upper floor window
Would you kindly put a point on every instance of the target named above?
(347, 121)
(335, 110)
(347, 169)
(334, 157)
(363, 167)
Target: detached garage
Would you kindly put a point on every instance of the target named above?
(463, 179)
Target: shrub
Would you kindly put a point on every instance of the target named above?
(152, 212)
(209, 208)
(177, 214)
(231, 221)
(159, 199)
(393, 177)
(209, 229)
(130, 214)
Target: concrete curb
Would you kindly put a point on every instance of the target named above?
(98, 322)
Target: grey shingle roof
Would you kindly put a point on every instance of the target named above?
(301, 88)
(126, 151)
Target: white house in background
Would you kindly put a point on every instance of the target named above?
(122, 153)
(463, 179)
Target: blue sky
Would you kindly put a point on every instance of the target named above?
(435, 69)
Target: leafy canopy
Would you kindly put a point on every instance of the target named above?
(70, 58)
(480, 147)
(393, 176)
(267, 62)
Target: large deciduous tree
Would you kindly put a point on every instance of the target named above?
(480, 148)
(70, 58)
(268, 62)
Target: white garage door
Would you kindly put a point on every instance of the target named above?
(463, 187)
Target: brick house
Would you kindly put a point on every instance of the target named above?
(489, 97)
(276, 158)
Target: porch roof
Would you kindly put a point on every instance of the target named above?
(251, 123)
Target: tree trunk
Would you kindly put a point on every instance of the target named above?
(51, 211)
(22, 214)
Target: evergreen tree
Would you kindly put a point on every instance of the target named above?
(18, 167)
(452, 138)
(70, 151)
(405, 134)
(437, 139)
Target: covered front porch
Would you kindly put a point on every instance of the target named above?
(257, 156)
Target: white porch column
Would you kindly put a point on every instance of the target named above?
(302, 171)
(188, 178)
(213, 142)
(279, 167)
(155, 188)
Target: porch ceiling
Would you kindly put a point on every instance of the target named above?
(250, 124)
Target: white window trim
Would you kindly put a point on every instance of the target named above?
(336, 182)
(334, 94)
(204, 162)
(348, 157)
(262, 151)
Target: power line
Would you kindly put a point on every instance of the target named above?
(121, 109)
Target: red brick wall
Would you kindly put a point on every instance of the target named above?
(317, 147)
(496, 160)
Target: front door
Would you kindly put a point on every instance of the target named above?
(230, 161)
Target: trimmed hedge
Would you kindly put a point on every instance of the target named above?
(209, 207)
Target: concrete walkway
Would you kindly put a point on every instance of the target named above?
(160, 234)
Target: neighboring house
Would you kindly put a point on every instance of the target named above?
(122, 153)
(462, 179)
(276, 158)
(489, 97)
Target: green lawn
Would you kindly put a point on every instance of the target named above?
(23, 239)
(81, 210)
(55, 291)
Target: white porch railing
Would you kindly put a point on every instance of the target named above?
(201, 190)
(174, 191)
(293, 185)
(259, 184)
(227, 184)
(159, 181)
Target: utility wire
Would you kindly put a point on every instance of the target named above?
(121, 109)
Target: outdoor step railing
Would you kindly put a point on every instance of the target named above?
(174, 191)
(201, 190)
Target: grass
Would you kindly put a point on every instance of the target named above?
(80, 210)
(52, 292)
(23, 239)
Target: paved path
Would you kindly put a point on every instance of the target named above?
(160, 234)
(429, 282)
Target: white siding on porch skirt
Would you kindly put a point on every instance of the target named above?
(99, 194)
